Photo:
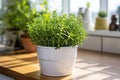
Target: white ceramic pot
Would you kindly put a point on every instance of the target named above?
(56, 62)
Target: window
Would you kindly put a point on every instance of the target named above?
(0, 4)
(94, 6)
(72, 6)
(55, 5)
(113, 8)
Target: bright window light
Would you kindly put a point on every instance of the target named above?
(55, 5)
(36, 4)
(94, 6)
(113, 8)
(0, 4)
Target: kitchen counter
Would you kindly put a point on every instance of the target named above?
(103, 41)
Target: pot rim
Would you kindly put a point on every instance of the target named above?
(38, 46)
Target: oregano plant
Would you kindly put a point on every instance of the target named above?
(55, 30)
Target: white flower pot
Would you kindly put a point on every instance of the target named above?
(56, 62)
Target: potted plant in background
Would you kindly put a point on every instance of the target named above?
(101, 21)
(20, 12)
(26, 14)
(56, 37)
(10, 19)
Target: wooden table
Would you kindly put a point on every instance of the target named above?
(90, 65)
(24, 67)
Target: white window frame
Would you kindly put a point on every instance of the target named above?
(104, 5)
(66, 6)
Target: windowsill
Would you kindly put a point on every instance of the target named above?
(105, 33)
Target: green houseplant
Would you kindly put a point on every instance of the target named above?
(10, 16)
(18, 14)
(10, 19)
(27, 14)
(101, 21)
(56, 37)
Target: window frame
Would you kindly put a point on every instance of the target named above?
(66, 6)
(0, 4)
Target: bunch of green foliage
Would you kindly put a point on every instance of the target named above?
(19, 12)
(26, 14)
(55, 30)
(102, 14)
(10, 17)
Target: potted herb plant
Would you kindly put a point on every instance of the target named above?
(56, 37)
(27, 14)
(19, 12)
(101, 21)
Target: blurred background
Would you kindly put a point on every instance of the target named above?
(14, 14)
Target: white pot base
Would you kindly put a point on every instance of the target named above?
(56, 62)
